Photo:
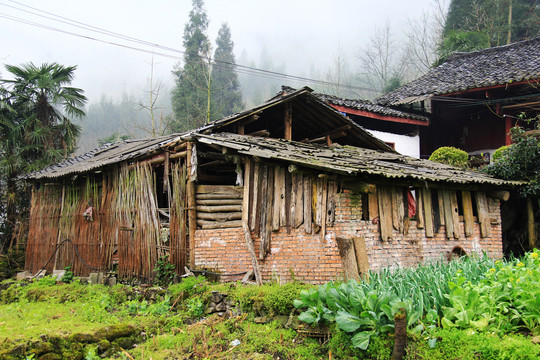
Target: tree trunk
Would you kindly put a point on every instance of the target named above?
(11, 212)
(400, 321)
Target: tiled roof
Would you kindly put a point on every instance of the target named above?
(464, 71)
(348, 160)
(372, 107)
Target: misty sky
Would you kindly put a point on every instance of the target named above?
(298, 33)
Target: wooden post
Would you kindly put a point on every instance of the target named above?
(287, 135)
(385, 212)
(398, 211)
(362, 258)
(263, 210)
(297, 200)
(278, 192)
(467, 213)
(530, 224)
(419, 209)
(192, 207)
(348, 258)
(245, 226)
(428, 212)
(455, 212)
(373, 205)
(323, 208)
(483, 214)
(308, 212)
(447, 211)
(252, 254)
(255, 202)
(241, 128)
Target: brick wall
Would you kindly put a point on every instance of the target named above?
(312, 258)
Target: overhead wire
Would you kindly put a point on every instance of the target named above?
(242, 69)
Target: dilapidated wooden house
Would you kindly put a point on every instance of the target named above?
(291, 188)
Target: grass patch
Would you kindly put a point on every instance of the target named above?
(172, 322)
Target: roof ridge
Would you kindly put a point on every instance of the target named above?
(459, 54)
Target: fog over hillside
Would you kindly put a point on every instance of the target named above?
(114, 42)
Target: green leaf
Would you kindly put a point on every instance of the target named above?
(350, 323)
(387, 328)
(372, 301)
(387, 310)
(361, 340)
(480, 324)
(447, 323)
(417, 330)
(396, 306)
(432, 343)
(299, 304)
(308, 317)
(413, 318)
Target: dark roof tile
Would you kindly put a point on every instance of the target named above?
(370, 106)
(464, 71)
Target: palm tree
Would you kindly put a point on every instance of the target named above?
(36, 130)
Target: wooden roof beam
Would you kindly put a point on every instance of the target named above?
(287, 132)
(373, 115)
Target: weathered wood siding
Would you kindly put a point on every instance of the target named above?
(126, 228)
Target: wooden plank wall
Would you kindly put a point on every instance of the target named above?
(219, 206)
(279, 198)
(432, 211)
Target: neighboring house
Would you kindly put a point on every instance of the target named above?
(475, 98)
(290, 189)
(398, 128)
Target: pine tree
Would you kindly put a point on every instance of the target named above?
(226, 95)
(190, 96)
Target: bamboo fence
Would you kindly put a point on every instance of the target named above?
(125, 223)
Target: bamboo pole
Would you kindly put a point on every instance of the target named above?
(59, 232)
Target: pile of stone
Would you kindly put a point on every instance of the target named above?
(222, 305)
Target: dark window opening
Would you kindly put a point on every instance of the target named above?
(162, 193)
(436, 210)
(473, 204)
(364, 198)
(459, 196)
(456, 253)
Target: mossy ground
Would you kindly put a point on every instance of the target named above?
(87, 322)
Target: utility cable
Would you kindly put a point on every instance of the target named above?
(243, 69)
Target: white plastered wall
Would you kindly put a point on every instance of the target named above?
(404, 144)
